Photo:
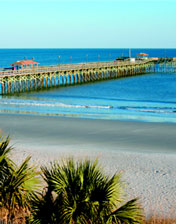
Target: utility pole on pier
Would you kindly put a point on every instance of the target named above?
(98, 58)
(59, 60)
(87, 58)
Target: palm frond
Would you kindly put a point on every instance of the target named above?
(5, 162)
(16, 188)
(129, 213)
(43, 208)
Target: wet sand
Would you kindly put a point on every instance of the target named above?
(144, 152)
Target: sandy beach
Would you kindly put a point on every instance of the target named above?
(144, 152)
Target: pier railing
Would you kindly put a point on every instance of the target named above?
(67, 67)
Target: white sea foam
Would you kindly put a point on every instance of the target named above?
(54, 105)
(62, 105)
(152, 110)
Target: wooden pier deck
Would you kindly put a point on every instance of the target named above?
(43, 77)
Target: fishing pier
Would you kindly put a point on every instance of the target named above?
(44, 77)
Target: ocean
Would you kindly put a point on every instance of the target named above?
(146, 98)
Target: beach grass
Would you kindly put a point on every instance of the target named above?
(158, 220)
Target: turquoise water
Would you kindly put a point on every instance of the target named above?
(143, 98)
(149, 97)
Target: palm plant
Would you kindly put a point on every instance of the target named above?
(44, 208)
(5, 161)
(17, 184)
(79, 193)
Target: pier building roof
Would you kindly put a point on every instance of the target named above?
(142, 54)
(25, 62)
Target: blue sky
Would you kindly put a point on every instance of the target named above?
(88, 24)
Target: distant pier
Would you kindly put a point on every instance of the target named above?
(44, 77)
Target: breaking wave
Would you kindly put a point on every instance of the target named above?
(54, 105)
(115, 108)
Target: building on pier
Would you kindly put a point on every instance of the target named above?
(142, 56)
(24, 64)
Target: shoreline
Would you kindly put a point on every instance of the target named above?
(144, 137)
(144, 152)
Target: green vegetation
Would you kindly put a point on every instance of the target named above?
(73, 193)
(17, 184)
(79, 193)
